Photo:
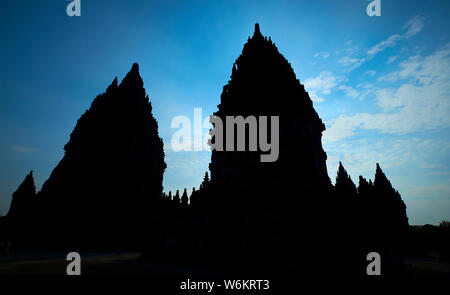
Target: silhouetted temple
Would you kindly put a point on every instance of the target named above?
(111, 173)
(263, 83)
(23, 199)
(345, 187)
(278, 215)
(288, 207)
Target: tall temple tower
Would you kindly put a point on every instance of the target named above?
(263, 83)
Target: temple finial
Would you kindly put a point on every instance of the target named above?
(257, 33)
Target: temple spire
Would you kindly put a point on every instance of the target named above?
(257, 34)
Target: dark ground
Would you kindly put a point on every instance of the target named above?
(128, 264)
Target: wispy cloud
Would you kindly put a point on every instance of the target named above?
(391, 59)
(413, 26)
(23, 149)
(349, 91)
(321, 85)
(360, 155)
(421, 103)
(354, 56)
(324, 83)
(351, 62)
(314, 97)
(323, 54)
(389, 42)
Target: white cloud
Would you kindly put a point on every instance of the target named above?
(354, 57)
(389, 42)
(323, 55)
(413, 26)
(370, 73)
(324, 83)
(421, 103)
(316, 98)
(429, 166)
(349, 91)
(366, 90)
(24, 149)
(366, 85)
(321, 85)
(391, 59)
(407, 68)
(351, 61)
(360, 155)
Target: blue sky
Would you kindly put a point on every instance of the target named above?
(380, 84)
